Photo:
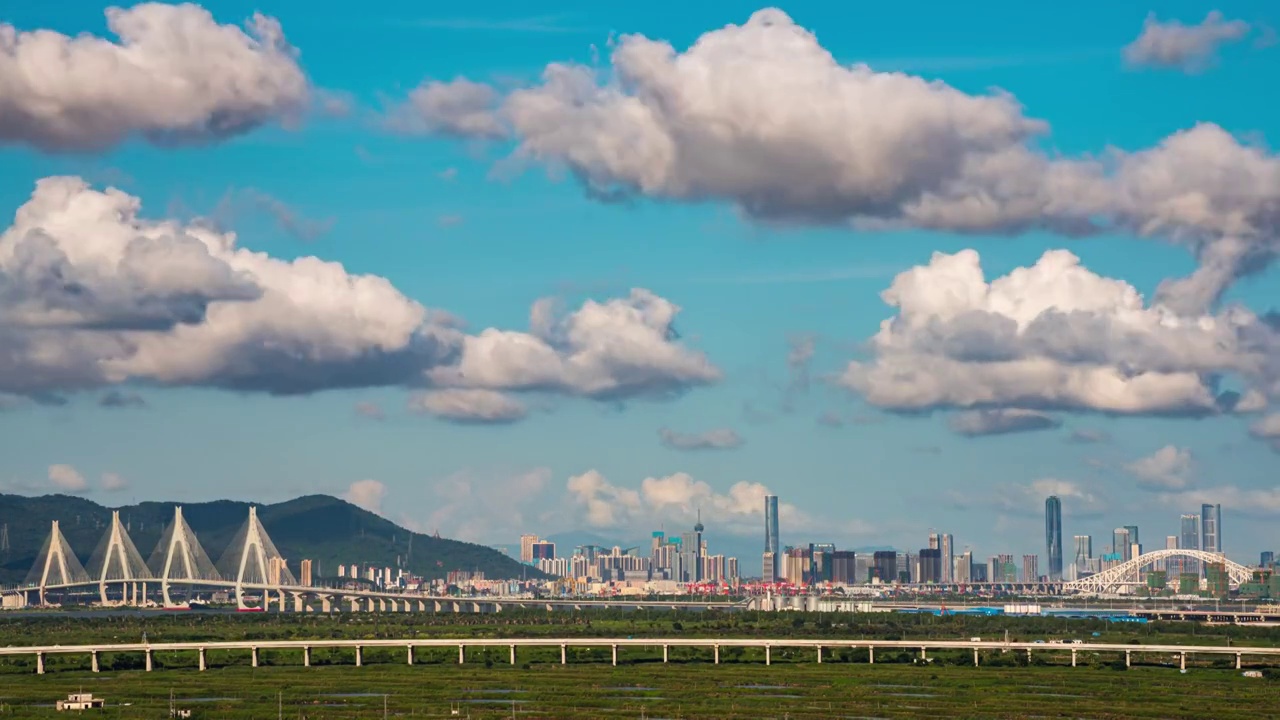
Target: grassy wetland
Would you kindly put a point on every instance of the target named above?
(898, 685)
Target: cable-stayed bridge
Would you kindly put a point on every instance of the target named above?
(250, 567)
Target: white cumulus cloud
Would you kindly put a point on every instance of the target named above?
(717, 439)
(1191, 48)
(469, 405)
(1268, 429)
(670, 498)
(94, 294)
(175, 75)
(1169, 468)
(1051, 336)
(1001, 421)
(367, 494)
(67, 479)
(762, 116)
(113, 482)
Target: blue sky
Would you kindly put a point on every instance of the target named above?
(449, 226)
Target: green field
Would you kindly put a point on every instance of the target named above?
(898, 685)
(679, 690)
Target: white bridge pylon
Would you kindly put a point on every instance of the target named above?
(56, 564)
(179, 556)
(1128, 572)
(117, 560)
(252, 559)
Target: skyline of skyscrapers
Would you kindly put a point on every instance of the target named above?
(1053, 535)
(685, 558)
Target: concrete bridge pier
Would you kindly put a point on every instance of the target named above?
(93, 660)
(39, 663)
(1237, 661)
(1183, 662)
(202, 660)
(924, 656)
(306, 657)
(1073, 658)
(1128, 658)
(148, 660)
(768, 655)
(395, 605)
(1028, 656)
(409, 652)
(325, 605)
(297, 602)
(717, 654)
(359, 656)
(819, 654)
(665, 650)
(615, 655)
(382, 605)
(975, 657)
(254, 656)
(462, 654)
(564, 655)
(871, 654)
(513, 655)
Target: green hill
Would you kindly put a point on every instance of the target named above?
(325, 529)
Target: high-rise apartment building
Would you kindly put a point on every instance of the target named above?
(1030, 568)
(886, 565)
(526, 547)
(930, 566)
(275, 570)
(1172, 566)
(769, 568)
(1053, 535)
(771, 546)
(1133, 534)
(844, 568)
(962, 568)
(1189, 539)
(1211, 528)
(304, 573)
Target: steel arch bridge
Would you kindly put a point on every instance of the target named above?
(1127, 573)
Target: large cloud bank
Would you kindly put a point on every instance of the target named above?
(760, 115)
(175, 76)
(93, 294)
(1054, 336)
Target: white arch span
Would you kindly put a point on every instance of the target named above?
(1128, 572)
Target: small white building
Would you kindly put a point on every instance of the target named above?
(80, 701)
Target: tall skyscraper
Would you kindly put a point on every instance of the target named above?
(771, 531)
(1133, 534)
(947, 557)
(1084, 552)
(1121, 545)
(526, 547)
(1211, 528)
(1190, 541)
(1053, 535)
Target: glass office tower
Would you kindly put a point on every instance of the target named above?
(1211, 528)
(771, 530)
(1053, 535)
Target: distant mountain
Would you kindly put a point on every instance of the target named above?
(325, 529)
